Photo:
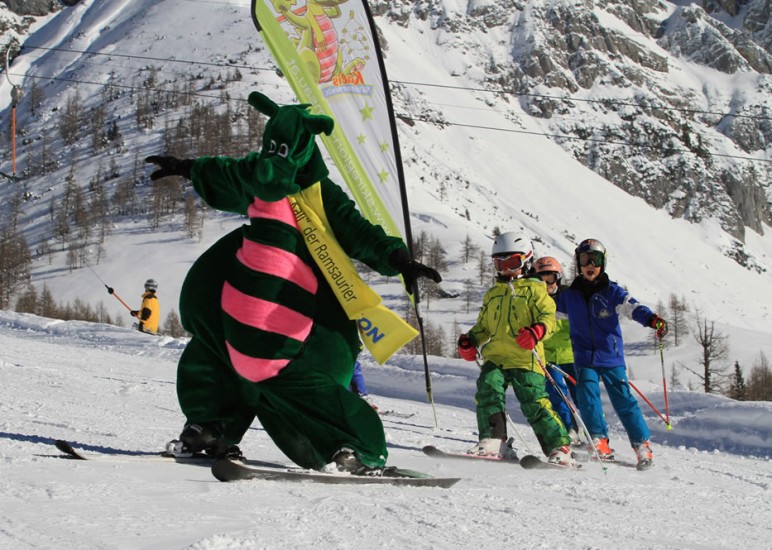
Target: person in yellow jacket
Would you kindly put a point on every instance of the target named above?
(516, 315)
(149, 313)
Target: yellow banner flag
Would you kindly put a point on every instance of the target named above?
(383, 331)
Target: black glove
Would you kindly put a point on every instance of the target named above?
(110, 290)
(170, 166)
(411, 270)
(135, 313)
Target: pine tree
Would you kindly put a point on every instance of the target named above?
(47, 306)
(69, 119)
(737, 384)
(15, 260)
(483, 267)
(172, 326)
(759, 386)
(714, 347)
(468, 294)
(28, 301)
(677, 323)
(35, 97)
(468, 249)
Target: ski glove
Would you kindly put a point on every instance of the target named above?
(411, 270)
(466, 348)
(170, 166)
(528, 337)
(658, 323)
(135, 313)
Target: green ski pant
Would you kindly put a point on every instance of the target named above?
(530, 390)
(307, 413)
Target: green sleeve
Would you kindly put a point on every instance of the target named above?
(361, 240)
(224, 183)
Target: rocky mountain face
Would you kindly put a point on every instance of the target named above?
(670, 102)
(32, 7)
(16, 17)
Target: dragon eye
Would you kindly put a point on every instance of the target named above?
(283, 150)
(272, 147)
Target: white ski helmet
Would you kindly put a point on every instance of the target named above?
(151, 284)
(510, 243)
(592, 246)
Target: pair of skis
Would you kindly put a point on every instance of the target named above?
(529, 462)
(228, 470)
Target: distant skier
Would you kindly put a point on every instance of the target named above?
(516, 315)
(593, 305)
(149, 313)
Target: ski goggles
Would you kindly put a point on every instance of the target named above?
(512, 262)
(550, 277)
(593, 257)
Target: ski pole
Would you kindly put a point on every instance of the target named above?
(564, 373)
(427, 374)
(518, 434)
(511, 422)
(668, 425)
(574, 412)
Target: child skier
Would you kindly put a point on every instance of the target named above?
(149, 313)
(557, 348)
(593, 305)
(516, 315)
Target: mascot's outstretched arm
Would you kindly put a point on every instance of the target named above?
(288, 162)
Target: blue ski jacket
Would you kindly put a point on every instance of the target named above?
(593, 311)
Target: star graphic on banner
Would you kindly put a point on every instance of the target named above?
(383, 176)
(361, 138)
(385, 147)
(367, 112)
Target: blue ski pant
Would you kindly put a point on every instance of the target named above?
(623, 401)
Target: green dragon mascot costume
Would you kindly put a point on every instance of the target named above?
(270, 333)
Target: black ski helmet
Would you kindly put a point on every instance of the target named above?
(590, 245)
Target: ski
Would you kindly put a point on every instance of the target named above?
(584, 457)
(71, 452)
(227, 470)
(199, 459)
(396, 414)
(532, 462)
(431, 450)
